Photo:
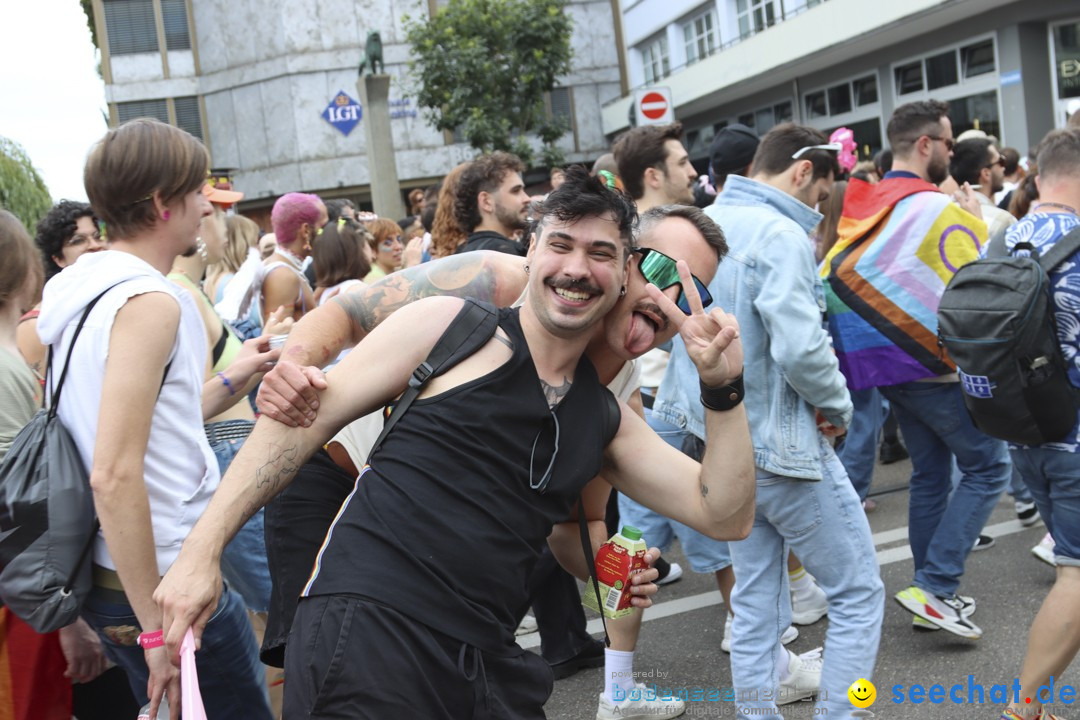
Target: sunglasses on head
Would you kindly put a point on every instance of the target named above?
(662, 272)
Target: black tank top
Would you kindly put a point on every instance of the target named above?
(444, 526)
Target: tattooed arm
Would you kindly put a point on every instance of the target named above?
(274, 452)
(288, 393)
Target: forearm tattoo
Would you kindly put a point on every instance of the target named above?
(554, 394)
(282, 463)
(466, 275)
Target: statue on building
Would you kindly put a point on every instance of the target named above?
(373, 54)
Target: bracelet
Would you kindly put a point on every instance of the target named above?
(151, 639)
(722, 398)
(228, 385)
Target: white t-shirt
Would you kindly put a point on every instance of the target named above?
(180, 469)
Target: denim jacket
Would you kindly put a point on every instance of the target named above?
(769, 281)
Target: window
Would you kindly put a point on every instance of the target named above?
(765, 120)
(655, 59)
(909, 78)
(174, 17)
(130, 26)
(756, 15)
(782, 112)
(700, 37)
(941, 70)
(562, 105)
(979, 112)
(865, 90)
(815, 105)
(747, 120)
(840, 99)
(157, 109)
(978, 59)
(188, 116)
(1067, 60)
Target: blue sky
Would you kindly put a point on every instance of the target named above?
(53, 99)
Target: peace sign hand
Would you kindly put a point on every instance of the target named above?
(712, 339)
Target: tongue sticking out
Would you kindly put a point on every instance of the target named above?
(640, 335)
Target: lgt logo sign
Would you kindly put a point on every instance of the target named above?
(343, 113)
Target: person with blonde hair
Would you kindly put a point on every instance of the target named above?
(241, 234)
(134, 405)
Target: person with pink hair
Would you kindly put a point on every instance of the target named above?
(297, 218)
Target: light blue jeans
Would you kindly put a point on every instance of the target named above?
(704, 554)
(1054, 479)
(941, 528)
(859, 451)
(824, 524)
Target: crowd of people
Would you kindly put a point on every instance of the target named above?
(652, 352)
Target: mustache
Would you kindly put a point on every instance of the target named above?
(665, 321)
(574, 285)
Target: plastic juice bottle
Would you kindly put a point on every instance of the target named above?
(617, 560)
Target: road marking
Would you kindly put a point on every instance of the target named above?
(701, 600)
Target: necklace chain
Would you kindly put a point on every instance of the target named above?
(1060, 206)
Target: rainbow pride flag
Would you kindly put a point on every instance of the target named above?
(900, 242)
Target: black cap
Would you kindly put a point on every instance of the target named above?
(732, 149)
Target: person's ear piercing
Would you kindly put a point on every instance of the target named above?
(165, 215)
(526, 269)
(622, 292)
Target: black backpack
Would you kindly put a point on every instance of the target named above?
(997, 322)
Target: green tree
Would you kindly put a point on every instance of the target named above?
(22, 191)
(482, 67)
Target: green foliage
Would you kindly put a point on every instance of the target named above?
(22, 191)
(88, 8)
(483, 66)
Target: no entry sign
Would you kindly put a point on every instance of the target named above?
(653, 106)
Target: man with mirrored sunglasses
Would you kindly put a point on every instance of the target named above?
(795, 396)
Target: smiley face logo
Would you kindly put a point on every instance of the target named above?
(862, 693)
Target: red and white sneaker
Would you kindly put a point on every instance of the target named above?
(946, 613)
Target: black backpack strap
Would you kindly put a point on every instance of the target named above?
(469, 331)
(1063, 249)
(54, 396)
(590, 561)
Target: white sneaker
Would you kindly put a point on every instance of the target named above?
(804, 677)
(642, 703)
(808, 605)
(1045, 550)
(790, 635)
(526, 626)
(674, 573)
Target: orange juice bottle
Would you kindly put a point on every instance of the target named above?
(617, 561)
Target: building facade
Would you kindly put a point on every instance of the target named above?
(252, 78)
(1008, 67)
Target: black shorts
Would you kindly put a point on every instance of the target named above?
(352, 658)
(296, 524)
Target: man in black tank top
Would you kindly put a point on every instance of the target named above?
(398, 618)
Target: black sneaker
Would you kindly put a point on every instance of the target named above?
(984, 542)
(591, 656)
(1026, 513)
(892, 451)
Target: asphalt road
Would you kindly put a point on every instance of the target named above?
(681, 634)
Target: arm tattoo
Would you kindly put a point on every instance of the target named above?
(554, 394)
(704, 490)
(461, 276)
(281, 465)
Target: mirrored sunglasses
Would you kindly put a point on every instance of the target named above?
(662, 272)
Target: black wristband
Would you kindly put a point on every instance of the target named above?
(722, 398)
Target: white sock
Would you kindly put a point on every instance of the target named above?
(785, 662)
(800, 579)
(618, 673)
